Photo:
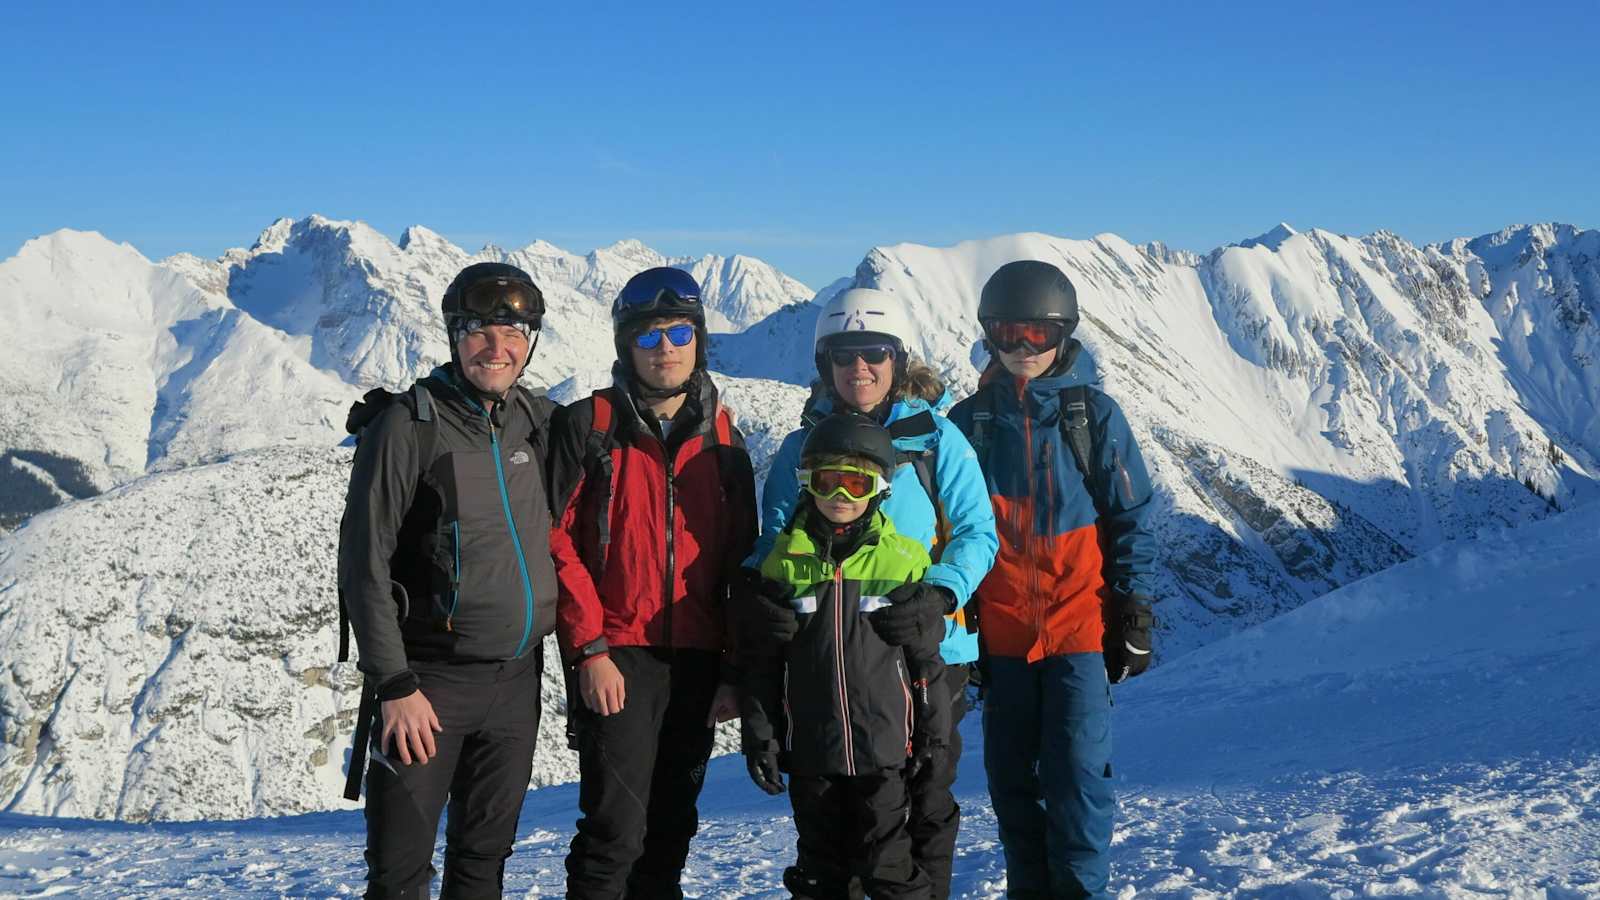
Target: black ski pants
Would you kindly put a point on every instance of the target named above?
(640, 774)
(935, 816)
(854, 827)
(490, 715)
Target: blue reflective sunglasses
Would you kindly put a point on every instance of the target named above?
(680, 335)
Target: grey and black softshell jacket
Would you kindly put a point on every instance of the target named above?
(448, 558)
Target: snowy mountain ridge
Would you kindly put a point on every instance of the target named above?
(1313, 412)
(133, 366)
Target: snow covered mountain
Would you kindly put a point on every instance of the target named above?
(1430, 731)
(131, 366)
(1315, 409)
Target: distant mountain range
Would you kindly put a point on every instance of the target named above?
(1314, 407)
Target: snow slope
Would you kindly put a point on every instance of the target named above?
(1430, 731)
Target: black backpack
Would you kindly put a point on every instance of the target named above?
(362, 413)
(1075, 431)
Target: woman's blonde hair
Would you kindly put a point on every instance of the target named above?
(921, 382)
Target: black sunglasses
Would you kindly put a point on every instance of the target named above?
(847, 356)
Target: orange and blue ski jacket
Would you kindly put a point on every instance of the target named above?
(1059, 556)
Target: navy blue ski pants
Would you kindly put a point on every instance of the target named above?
(1047, 752)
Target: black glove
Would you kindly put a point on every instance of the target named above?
(764, 613)
(914, 616)
(1127, 640)
(763, 768)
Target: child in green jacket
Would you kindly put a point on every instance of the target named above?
(827, 700)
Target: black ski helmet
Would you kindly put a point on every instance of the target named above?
(851, 434)
(659, 293)
(1029, 290)
(493, 291)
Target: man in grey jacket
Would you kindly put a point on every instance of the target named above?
(445, 572)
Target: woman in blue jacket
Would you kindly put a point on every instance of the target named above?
(938, 497)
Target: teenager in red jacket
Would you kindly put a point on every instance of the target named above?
(657, 508)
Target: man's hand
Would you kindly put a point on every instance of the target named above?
(763, 768)
(724, 705)
(914, 616)
(1127, 641)
(412, 724)
(601, 686)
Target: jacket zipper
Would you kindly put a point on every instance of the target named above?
(516, 541)
(455, 574)
(1025, 512)
(671, 528)
(788, 716)
(838, 659)
(905, 689)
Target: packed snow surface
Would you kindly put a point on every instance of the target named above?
(1430, 731)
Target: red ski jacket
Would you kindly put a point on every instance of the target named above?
(648, 530)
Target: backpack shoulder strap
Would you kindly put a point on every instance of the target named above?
(604, 413)
(983, 413)
(1079, 437)
(926, 464)
(597, 453)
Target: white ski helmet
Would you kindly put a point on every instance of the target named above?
(860, 310)
(863, 315)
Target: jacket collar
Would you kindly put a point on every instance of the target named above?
(1079, 369)
(698, 400)
(796, 541)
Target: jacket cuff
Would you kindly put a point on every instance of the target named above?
(584, 653)
(403, 685)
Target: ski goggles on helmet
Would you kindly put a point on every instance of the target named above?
(874, 355)
(637, 300)
(1037, 337)
(680, 335)
(502, 300)
(849, 482)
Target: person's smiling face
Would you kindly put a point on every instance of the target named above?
(862, 385)
(492, 357)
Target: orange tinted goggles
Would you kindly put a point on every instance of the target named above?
(846, 481)
(1008, 337)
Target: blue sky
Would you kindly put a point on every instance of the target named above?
(803, 135)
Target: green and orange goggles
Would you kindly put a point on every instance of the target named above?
(849, 482)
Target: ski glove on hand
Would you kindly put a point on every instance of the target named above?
(763, 768)
(914, 616)
(765, 617)
(1127, 641)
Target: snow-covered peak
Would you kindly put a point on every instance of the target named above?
(419, 238)
(1272, 239)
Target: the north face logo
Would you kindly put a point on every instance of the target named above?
(519, 457)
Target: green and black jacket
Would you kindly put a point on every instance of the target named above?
(837, 701)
